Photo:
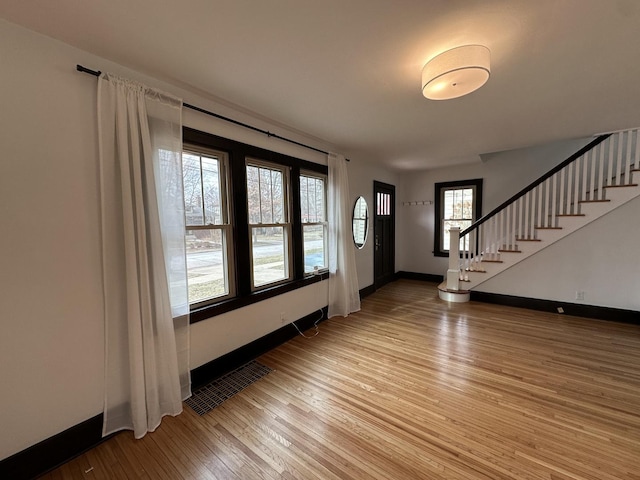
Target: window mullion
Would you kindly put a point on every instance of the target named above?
(259, 195)
(309, 203)
(315, 199)
(204, 213)
(221, 189)
(271, 174)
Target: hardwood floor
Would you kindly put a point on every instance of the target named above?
(413, 388)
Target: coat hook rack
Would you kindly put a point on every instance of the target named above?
(419, 202)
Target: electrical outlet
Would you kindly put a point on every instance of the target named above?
(580, 295)
(560, 310)
(282, 318)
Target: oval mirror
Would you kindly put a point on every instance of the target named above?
(360, 222)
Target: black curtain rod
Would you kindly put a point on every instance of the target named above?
(97, 73)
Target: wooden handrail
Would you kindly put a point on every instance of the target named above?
(535, 183)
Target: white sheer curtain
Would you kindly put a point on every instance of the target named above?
(143, 254)
(344, 295)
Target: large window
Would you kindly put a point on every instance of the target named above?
(265, 242)
(458, 204)
(269, 225)
(314, 221)
(209, 242)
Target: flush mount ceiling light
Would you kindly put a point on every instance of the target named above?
(456, 72)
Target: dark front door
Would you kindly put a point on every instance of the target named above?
(383, 233)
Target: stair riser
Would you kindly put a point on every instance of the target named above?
(621, 195)
(571, 224)
(527, 248)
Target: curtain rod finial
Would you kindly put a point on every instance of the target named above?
(95, 73)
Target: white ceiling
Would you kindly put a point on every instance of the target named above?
(349, 71)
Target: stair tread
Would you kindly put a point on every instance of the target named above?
(509, 251)
(528, 240)
(571, 215)
(594, 201)
(620, 186)
(548, 228)
(491, 261)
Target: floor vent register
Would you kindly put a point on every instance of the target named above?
(213, 394)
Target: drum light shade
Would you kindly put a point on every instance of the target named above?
(456, 72)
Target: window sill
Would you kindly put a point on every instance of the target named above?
(202, 313)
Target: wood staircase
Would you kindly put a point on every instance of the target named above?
(589, 184)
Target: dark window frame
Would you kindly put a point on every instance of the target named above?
(237, 153)
(438, 206)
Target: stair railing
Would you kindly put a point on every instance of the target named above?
(605, 162)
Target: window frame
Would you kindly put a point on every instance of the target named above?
(324, 222)
(439, 190)
(237, 154)
(360, 216)
(286, 224)
(226, 227)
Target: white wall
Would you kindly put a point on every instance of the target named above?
(504, 174)
(598, 259)
(51, 349)
(361, 177)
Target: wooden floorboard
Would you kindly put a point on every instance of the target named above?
(412, 387)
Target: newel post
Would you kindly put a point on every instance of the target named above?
(453, 273)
